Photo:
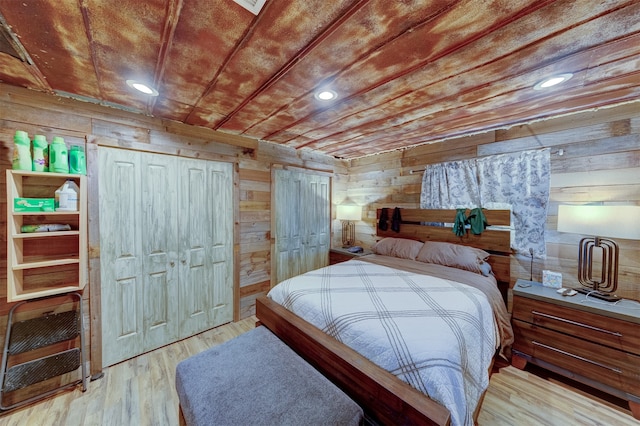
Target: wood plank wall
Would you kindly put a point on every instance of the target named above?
(80, 123)
(600, 162)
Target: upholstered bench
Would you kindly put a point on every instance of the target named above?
(255, 379)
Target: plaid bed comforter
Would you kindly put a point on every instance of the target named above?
(438, 335)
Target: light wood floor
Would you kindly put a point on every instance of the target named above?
(141, 391)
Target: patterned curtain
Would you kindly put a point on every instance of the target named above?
(522, 180)
(450, 186)
(519, 179)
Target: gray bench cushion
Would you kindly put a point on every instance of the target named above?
(255, 379)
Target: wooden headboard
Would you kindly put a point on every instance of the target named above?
(497, 242)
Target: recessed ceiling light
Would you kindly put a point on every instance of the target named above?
(141, 87)
(326, 95)
(552, 81)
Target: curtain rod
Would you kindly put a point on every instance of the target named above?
(559, 152)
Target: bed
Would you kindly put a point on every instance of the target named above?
(413, 302)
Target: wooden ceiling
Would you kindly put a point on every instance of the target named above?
(406, 72)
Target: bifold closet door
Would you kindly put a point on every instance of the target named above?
(159, 234)
(138, 252)
(166, 227)
(120, 254)
(206, 244)
(317, 222)
(302, 223)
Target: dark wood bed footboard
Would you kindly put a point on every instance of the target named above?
(383, 397)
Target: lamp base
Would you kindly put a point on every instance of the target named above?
(607, 297)
(348, 233)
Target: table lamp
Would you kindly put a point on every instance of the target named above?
(604, 222)
(348, 212)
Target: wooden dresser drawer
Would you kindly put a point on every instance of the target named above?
(614, 368)
(608, 331)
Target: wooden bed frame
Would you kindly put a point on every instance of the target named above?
(385, 398)
(496, 242)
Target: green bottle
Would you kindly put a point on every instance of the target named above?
(58, 156)
(21, 151)
(40, 154)
(77, 160)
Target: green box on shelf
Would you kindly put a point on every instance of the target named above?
(33, 204)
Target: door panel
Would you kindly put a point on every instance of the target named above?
(120, 260)
(206, 241)
(316, 218)
(320, 221)
(127, 325)
(159, 250)
(302, 223)
(156, 296)
(194, 231)
(221, 293)
(193, 289)
(289, 243)
(220, 296)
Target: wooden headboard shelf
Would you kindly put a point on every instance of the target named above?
(496, 242)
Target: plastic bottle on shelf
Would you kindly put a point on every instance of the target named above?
(40, 154)
(58, 156)
(66, 197)
(77, 160)
(21, 151)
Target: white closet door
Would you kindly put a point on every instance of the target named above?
(166, 249)
(302, 221)
(159, 223)
(120, 255)
(317, 218)
(288, 223)
(206, 245)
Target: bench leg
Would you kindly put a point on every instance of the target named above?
(635, 409)
(182, 422)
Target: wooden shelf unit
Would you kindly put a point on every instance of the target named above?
(45, 263)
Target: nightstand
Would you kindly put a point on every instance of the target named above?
(593, 342)
(337, 255)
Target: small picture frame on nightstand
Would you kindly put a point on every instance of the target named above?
(551, 279)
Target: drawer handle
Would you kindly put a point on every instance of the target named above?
(602, 330)
(615, 370)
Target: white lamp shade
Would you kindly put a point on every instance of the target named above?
(600, 221)
(349, 212)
